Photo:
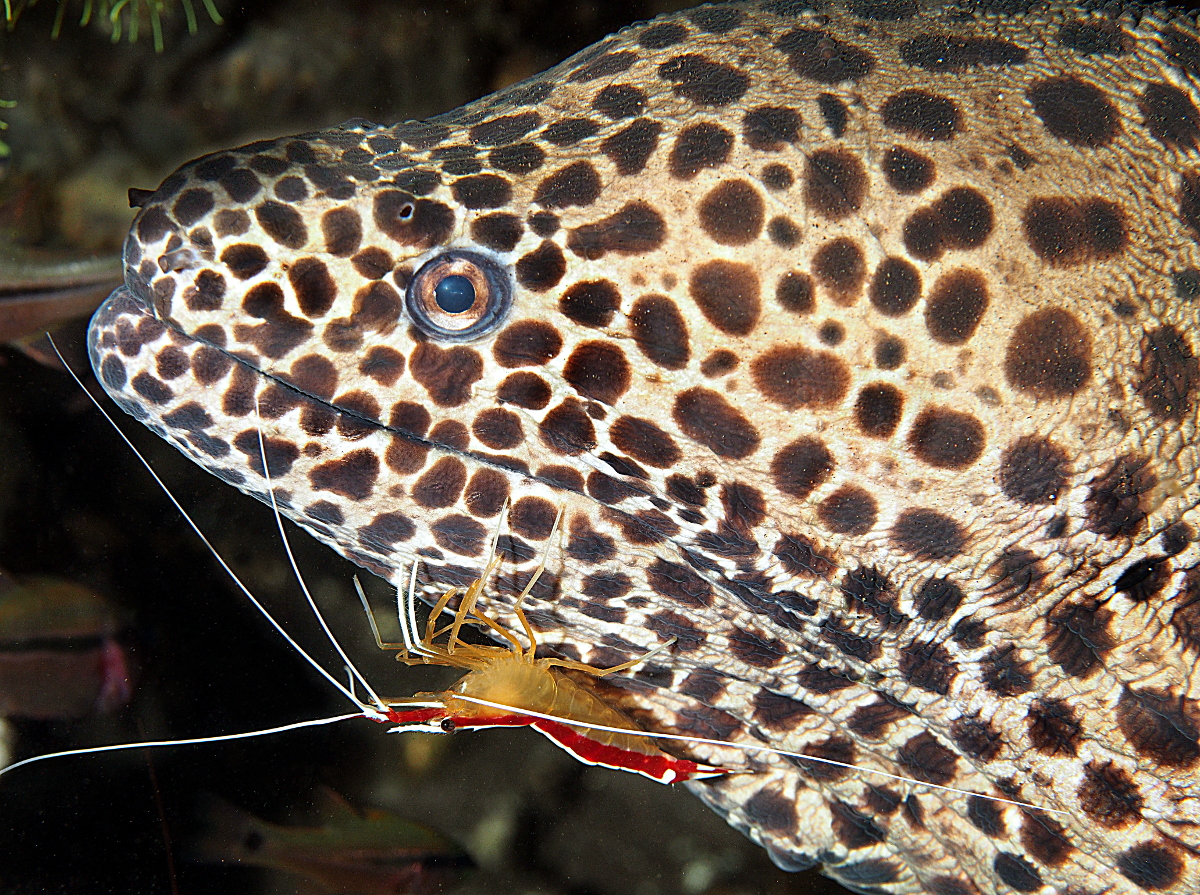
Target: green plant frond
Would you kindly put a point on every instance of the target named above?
(5, 104)
(124, 16)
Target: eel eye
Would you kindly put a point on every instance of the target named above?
(459, 296)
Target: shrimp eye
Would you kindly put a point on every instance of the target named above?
(459, 296)
(447, 725)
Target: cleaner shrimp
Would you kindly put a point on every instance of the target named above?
(507, 686)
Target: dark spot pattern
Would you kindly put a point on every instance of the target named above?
(770, 128)
(527, 343)
(523, 158)
(928, 666)
(1158, 728)
(960, 219)
(732, 213)
(500, 231)
(245, 260)
(1168, 374)
(777, 178)
(783, 232)
(794, 292)
(952, 53)
(956, 305)
(708, 419)
(679, 583)
(699, 146)
(1049, 354)
(878, 408)
(928, 535)
(482, 191)
(853, 828)
(631, 147)
(985, 816)
(567, 429)
(872, 721)
(351, 476)
(977, 738)
(1034, 470)
(818, 56)
(1108, 796)
(526, 390)
(1152, 865)
(591, 302)
(633, 230)
(727, 293)
(835, 183)
(645, 442)
(1053, 727)
(447, 374)
(617, 101)
(907, 172)
(1005, 673)
(895, 286)
(1078, 638)
(541, 269)
(342, 230)
(889, 353)
(577, 184)
(1075, 111)
(794, 376)
(1093, 37)
(840, 267)
(849, 511)
(498, 429)
(704, 82)
(441, 485)
(834, 113)
(1017, 872)
(927, 759)
(801, 466)
(313, 285)
(938, 599)
(659, 37)
(919, 113)
(1171, 116)
(946, 438)
(1066, 232)
(660, 332)
(598, 370)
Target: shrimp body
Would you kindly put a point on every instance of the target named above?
(506, 686)
(510, 680)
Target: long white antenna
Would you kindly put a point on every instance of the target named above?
(193, 741)
(369, 711)
(287, 546)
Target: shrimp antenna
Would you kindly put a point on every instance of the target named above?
(191, 741)
(287, 546)
(372, 712)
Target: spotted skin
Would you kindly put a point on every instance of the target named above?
(856, 346)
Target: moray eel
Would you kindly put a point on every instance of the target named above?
(857, 345)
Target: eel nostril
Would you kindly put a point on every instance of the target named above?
(180, 259)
